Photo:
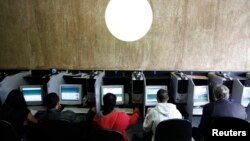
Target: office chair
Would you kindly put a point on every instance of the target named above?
(56, 130)
(99, 134)
(7, 132)
(227, 124)
(173, 130)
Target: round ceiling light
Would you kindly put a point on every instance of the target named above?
(128, 20)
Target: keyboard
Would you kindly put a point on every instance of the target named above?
(197, 110)
(77, 110)
(37, 108)
(126, 110)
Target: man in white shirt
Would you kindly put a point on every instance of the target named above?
(162, 111)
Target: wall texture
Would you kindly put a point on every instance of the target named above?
(71, 34)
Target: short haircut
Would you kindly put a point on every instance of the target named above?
(109, 101)
(162, 95)
(51, 100)
(221, 92)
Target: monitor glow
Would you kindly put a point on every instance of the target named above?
(151, 93)
(117, 90)
(32, 94)
(201, 95)
(245, 100)
(70, 94)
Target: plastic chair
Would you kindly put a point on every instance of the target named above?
(173, 130)
(99, 134)
(228, 124)
(57, 130)
(8, 132)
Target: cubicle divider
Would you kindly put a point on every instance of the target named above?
(98, 84)
(241, 92)
(198, 92)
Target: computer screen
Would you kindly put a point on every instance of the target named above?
(201, 95)
(70, 94)
(151, 92)
(245, 100)
(33, 94)
(118, 90)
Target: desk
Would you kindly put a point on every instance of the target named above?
(126, 110)
(35, 109)
(77, 110)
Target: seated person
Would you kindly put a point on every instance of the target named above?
(51, 101)
(108, 118)
(15, 111)
(162, 111)
(222, 107)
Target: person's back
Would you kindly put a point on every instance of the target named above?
(227, 109)
(111, 119)
(162, 111)
(15, 111)
(53, 112)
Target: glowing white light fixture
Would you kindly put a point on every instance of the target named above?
(128, 20)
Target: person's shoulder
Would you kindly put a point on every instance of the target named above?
(171, 105)
(238, 105)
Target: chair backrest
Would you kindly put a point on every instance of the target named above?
(7, 132)
(99, 134)
(57, 130)
(173, 129)
(228, 124)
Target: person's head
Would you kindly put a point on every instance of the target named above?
(109, 102)
(162, 96)
(51, 101)
(15, 99)
(221, 92)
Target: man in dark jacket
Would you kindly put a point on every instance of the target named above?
(53, 112)
(222, 107)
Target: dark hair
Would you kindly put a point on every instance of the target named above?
(109, 102)
(13, 103)
(162, 95)
(51, 100)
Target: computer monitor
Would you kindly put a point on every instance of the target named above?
(201, 95)
(151, 92)
(70, 94)
(33, 94)
(245, 100)
(117, 90)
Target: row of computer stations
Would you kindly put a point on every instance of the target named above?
(117, 90)
(151, 92)
(70, 94)
(33, 94)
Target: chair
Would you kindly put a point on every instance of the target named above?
(173, 129)
(7, 132)
(57, 130)
(227, 124)
(99, 134)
